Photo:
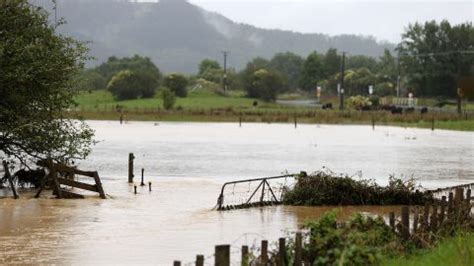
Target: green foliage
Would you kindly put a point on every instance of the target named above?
(432, 59)
(137, 64)
(362, 240)
(331, 63)
(312, 73)
(289, 65)
(177, 83)
(207, 65)
(361, 61)
(326, 188)
(265, 85)
(357, 81)
(126, 85)
(385, 89)
(89, 80)
(38, 68)
(169, 98)
(358, 102)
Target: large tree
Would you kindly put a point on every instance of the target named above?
(435, 56)
(312, 73)
(289, 65)
(37, 72)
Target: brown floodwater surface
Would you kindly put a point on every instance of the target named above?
(187, 163)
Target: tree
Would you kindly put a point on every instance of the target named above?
(433, 56)
(126, 85)
(89, 80)
(265, 84)
(361, 61)
(387, 68)
(169, 98)
(37, 71)
(312, 73)
(289, 65)
(177, 83)
(137, 64)
(208, 64)
(331, 63)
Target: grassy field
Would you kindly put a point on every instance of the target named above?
(206, 106)
(458, 250)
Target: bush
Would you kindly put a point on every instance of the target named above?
(265, 85)
(323, 188)
(169, 98)
(359, 102)
(177, 83)
(126, 85)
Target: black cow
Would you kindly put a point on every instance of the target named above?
(397, 110)
(327, 106)
(29, 177)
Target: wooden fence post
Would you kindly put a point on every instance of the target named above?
(143, 177)
(200, 260)
(222, 255)
(245, 256)
(240, 119)
(282, 261)
(130, 167)
(296, 121)
(264, 252)
(10, 179)
(177, 263)
(458, 204)
(468, 204)
(415, 220)
(426, 213)
(405, 222)
(299, 249)
(391, 218)
(450, 206)
(443, 210)
(434, 218)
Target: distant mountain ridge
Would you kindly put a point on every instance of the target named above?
(177, 35)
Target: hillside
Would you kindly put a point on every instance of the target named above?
(177, 35)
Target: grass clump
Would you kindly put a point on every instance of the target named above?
(327, 188)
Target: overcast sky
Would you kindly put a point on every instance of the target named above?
(383, 19)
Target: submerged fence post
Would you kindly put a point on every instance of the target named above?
(200, 260)
(240, 119)
(245, 256)
(298, 249)
(432, 124)
(222, 255)
(177, 263)
(282, 261)
(296, 121)
(143, 177)
(264, 252)
(131, 157)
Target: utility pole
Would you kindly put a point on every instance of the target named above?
(399, 78)
(55, 13)
(225, 53)
(341, 89)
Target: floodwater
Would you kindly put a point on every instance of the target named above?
(187, 163)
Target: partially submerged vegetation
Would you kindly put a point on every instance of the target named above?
(327, 188)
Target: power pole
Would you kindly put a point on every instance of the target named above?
(341, 90)
(399, 79)
(225, 53)
(55, 13)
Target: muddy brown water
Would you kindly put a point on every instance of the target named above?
(187, 163)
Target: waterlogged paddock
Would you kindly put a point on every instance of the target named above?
(187, 163)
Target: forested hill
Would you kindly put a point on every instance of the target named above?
(177, 35)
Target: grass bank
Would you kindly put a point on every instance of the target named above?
(457, 250)
(206, 106)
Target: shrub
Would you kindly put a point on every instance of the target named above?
(359, 102)
(177, 83)
(126, 85)
(169, 98)
(323, 188)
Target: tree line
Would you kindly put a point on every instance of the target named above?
(429, 62)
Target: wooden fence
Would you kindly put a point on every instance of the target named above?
(417, 223)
